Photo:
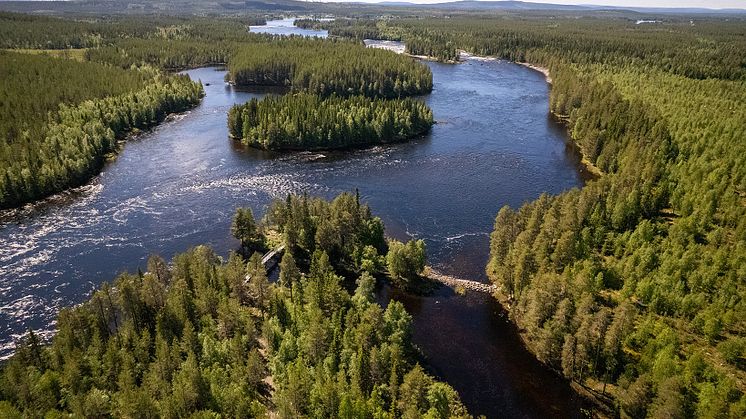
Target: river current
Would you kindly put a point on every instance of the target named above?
(178, 185)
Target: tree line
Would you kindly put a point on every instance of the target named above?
(174, 55)
(207, 337)
(63, 117)
(632, 284)
(705, 48)
(45, 32)
(323, 67)
(327, 67)
(346, 28)
(343, 228)
(307, 122)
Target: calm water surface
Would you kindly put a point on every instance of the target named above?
(177, 186)
(286, 27)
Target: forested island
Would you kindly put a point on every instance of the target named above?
(308, 122)
(340, 101)
(207, 337)
(328, 67)
(357, 28)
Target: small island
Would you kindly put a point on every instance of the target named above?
(328, 67)
(307, 122)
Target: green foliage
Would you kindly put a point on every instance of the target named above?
(169, 55)
(327, 67)
(628, 280)
(150, 346)
(343, 229)
(336, 356)
(347, 28)
(49, 148)
(61, 118)
(34, 86)
(245, 230)
(43, 32)
(308, 122)
(711, 48)
(733, 351)
(406, 262)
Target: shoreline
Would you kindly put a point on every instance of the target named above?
(604, 409)
(584, 161)
(106, 158)
(542, 70)
(289, 150)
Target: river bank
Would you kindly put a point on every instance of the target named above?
(601, 401)
(86, 135)
(542, 70)
(589, 166)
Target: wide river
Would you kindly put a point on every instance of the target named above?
(178, 185)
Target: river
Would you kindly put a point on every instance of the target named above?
(178, 185)
(287, 27)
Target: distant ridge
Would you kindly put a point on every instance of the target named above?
(295, 6)
(523, 5)
(489, 5)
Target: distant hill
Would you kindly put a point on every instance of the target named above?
(514, 5)
(294, 6)
(490, 5)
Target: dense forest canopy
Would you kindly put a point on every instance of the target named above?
(174, 43)
(345, 229)
(61, 117)
(702, 48)
(307, 122)
(633, 285)
(42, 32)
(167, 42)
(327, 67)
(35, 85)
(207, 337)
(346, 28)
(173, 55)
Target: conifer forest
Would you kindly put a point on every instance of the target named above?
(379, 210)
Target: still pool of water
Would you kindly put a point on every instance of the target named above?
(178, 185)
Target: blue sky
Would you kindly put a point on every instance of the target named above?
(713, 4)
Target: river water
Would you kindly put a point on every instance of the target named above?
(178, 185)
(287, 27)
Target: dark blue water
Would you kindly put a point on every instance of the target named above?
(177, 186)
